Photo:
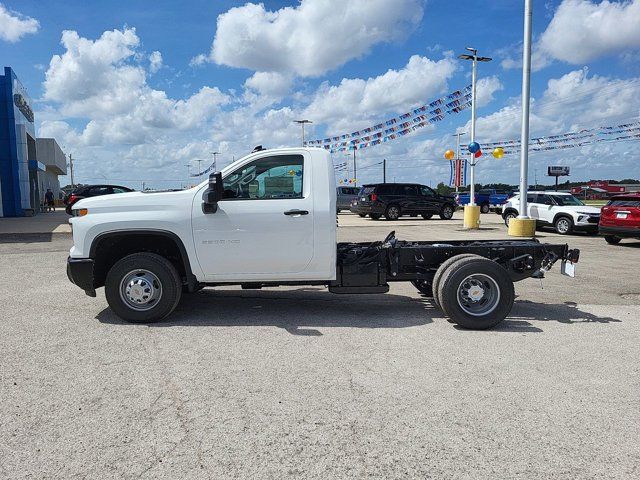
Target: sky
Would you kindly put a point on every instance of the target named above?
(142, 91)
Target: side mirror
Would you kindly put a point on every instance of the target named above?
(213, 194)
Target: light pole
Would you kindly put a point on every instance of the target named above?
(458, 135)
(475, 59)
(523, 226)
(215, 159)
(301, 123)
(472, 216)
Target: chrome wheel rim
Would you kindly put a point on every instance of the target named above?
(562, 226)
(508, 219)
(393, 212)
(140, 290)
(448, 212)
(478, 295)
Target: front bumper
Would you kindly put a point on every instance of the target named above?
(80, 273)
(622, 232)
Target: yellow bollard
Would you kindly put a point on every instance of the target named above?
(522, 227)
(471, 216)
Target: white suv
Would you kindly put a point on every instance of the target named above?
(563, 211)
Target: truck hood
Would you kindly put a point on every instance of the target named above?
(135, 201)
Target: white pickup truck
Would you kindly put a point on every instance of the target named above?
(269, 219)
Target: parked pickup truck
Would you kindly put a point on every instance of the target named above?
(487, 199)
(269, 219)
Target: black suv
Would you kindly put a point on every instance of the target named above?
(394, 200)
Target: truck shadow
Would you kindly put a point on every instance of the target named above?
(524, 312)
(299, 312)
(302, 311)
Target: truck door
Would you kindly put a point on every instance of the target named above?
(264, 224)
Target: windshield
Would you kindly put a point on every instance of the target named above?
(567, 200)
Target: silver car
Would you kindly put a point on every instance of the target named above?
(345, 196)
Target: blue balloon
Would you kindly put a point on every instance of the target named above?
(474, 147)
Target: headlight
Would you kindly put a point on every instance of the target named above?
(79, 212)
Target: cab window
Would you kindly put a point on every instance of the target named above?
(266, 178)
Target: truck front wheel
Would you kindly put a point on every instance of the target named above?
(484, 208)
(143, 288)
(476, 293)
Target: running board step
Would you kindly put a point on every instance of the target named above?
(373, 289)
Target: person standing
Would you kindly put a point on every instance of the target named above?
(49, 202)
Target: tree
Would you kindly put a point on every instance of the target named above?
(443, 189)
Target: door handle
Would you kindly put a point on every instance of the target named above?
(296, 212)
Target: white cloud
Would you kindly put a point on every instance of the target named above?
(311, 38)
(269, 83)
(101, 81)
(582, 30)
(358, 99)
(485, 89)
(155, 61)
(13, 26)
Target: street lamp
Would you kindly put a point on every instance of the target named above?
(301, 123)
(472, 218)
(215, 158)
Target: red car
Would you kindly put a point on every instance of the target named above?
(620, 218)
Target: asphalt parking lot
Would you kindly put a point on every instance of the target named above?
(300, 383)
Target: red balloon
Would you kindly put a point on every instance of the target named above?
(478, 154)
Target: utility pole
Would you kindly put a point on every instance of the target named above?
(301, 123)
(458, 135)
(384, 171)
(523, 226)
(199, 169)
(73, 183)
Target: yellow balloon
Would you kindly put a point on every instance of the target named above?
(449, 154)
(498, 152)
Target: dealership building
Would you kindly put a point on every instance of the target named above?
(28, 165)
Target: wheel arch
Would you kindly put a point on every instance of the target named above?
(109, 247)
(565, 215)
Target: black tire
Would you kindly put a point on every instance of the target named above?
(424, 286)
(375, 216)
(484, 208)
(362, 215)
(447, 212)
(165, 273)
(337, 210)
(508, 216)
(440, 272)
(484, 277)
(563, 225)
(392, 212)
(427, 216)
(612, 239)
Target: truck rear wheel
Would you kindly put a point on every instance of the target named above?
(476, 293)
(143, 288)
(440, 272)
(484, 208)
